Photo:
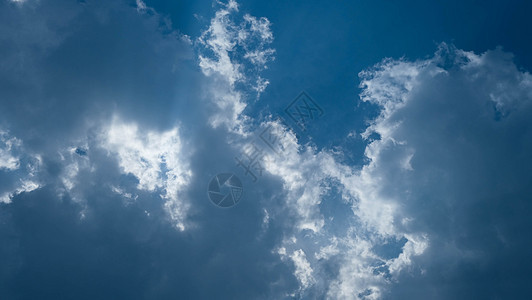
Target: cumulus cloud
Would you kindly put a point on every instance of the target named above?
(460, 119)
(309, 177)
(440, 161)
(61, 90)
(115, 145)
(342, 258)
(106, 146)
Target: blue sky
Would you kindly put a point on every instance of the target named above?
(409, 180)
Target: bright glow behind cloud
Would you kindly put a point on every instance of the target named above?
(156, 159)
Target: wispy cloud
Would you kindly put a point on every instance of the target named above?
(233, 51)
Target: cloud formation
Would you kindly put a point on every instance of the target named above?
(233, 53)
(442, 164)
(452, 152)
(106, 147)
(113, 122)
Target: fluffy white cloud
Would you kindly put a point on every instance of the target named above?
(307, 175)
(156, 159)
(450, 147)
(453, 133)
(443, 147)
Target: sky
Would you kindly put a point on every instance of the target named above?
(360, 149)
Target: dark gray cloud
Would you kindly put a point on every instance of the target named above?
(68, 65)
(91, 229)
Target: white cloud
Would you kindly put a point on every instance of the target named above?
(221, 39)
(304, 171)
(357, 279)
(417, 131)
(156, 159)
(308, 176)
(415, 245)
(141, 6)
(224, 49)
(303, 270)
(16, 164)
(23, 186)
(7, 159)
(447, 152)
(261, 27)
(441, 130)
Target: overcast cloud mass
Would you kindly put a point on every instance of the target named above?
(396, 147)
